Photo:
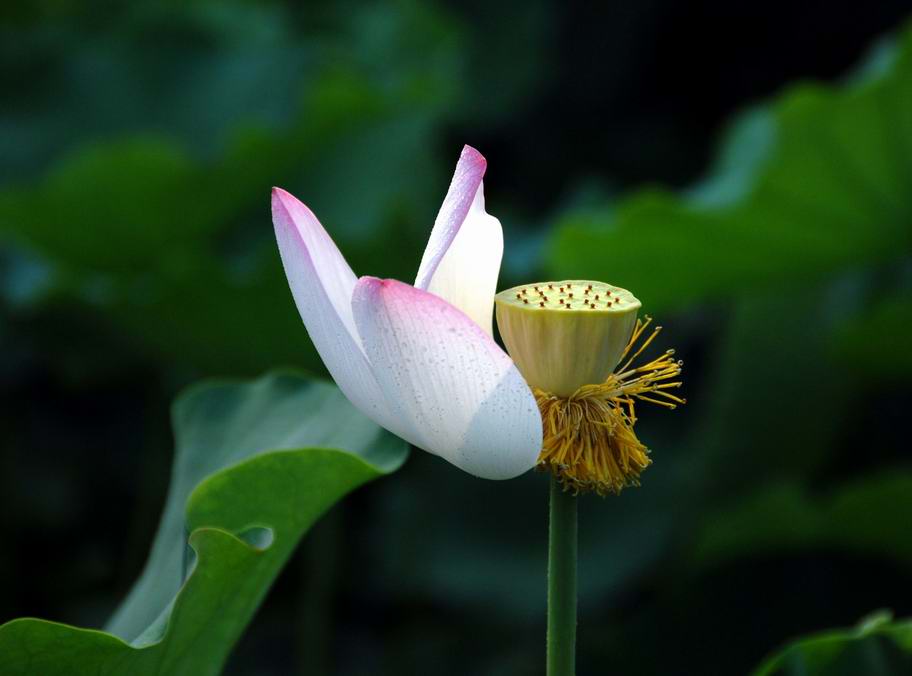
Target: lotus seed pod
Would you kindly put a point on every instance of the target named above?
(563, 335)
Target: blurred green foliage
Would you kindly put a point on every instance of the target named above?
(136, 255)
(165, 238)
(803, 187)
(875, 647)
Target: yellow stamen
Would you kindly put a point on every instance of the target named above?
(589, 442)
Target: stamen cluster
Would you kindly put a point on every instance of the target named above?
(589, 441)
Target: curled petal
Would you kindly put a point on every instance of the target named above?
(322, 284)
(459, 391)
(467, 274)
(456, 205)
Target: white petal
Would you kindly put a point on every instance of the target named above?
(300, 227)
(322, 284)
(461, 393)
(467, 178)
(467, 275)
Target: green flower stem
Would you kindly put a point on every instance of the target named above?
(562, 582)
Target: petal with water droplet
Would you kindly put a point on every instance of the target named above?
(461, 393)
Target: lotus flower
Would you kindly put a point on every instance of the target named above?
(420, 360)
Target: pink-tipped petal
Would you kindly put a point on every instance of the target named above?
(461, 394)
(467, 274)
(294, 218)
(322, 284)
(467, 178)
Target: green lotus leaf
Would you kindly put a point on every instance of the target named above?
(256, 464)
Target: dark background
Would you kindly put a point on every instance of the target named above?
(138, 142)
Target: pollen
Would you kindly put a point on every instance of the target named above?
(589, 441)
